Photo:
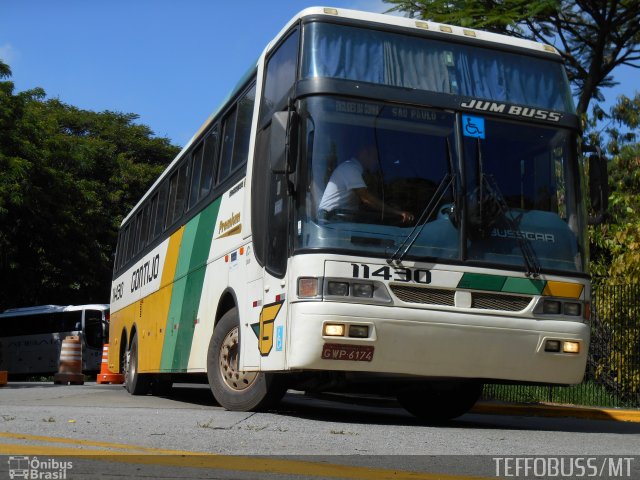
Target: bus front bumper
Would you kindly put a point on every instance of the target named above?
(435, 344)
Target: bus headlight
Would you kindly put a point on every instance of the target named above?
(362, 290)
(573, 309)
(552, 307)
(338, 289)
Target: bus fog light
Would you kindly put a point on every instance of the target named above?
(308, 287)
(358, 331)
(571, 347)
(338, 289)
(362, 290)
(333, 330)
(551, 307)
(573, 309)
(552, 346)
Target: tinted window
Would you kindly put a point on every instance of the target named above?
(209, 161)
(281, 75)
(93, 328)
(177, 194)
(161, 210)
(228, 133)
(196, 175)
(243, 128)
(41, 323)
(144, 227)
(125, 245)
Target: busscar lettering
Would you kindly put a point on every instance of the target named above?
(513, 110)
(531, 236)
(146, 273)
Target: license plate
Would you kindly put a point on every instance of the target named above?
(355, 353)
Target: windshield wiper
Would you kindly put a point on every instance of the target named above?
(494, 195)
(446, 182)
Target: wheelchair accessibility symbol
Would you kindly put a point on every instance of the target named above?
(472, 126)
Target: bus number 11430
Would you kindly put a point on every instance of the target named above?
(398, 274)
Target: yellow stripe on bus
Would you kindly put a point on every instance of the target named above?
(155, 310)
(563, 289)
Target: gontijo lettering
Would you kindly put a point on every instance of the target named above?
(146, 273)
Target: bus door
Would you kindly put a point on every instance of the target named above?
(93, 330)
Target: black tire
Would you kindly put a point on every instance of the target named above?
(441, 401)
(135, 382)
(236, 390)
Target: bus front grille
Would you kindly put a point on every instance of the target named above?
(430, 296)
(446, 297)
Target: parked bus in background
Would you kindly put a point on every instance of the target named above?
(31, 337)
(381, 205)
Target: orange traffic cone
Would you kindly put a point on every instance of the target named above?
(70, 366)
(3, 378)
(106, 375)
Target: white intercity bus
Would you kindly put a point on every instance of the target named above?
(382, 205)
(31, 337)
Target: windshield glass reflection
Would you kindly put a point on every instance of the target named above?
(371, 171)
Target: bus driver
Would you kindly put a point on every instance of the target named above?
(346, 189)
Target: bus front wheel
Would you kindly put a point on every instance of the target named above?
(232, 388)
(441, 401)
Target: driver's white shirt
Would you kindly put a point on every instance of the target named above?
(339, 191)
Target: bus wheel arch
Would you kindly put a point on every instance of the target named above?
(227, 302)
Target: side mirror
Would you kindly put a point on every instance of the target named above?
(598, 186)
(283, 128)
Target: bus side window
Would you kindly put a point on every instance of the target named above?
(177, 194)
(196, 175)
(210, 161)
(161, 210)
(228, 134)
(93, 328)
(280, 77)
(243, 128)
(125, 242)
(270, 221)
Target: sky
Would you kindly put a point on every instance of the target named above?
(172, 62)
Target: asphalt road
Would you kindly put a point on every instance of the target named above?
(106, 432)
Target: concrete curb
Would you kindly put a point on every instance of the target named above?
(549, 410)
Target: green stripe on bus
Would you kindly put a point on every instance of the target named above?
(499, 283)
(187, 290)
(524, 285)
(480, 281)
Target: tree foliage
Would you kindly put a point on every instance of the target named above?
(68, 177)
(593, 36)
(615, 247)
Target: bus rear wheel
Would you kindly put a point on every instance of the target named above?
(441, 401)
(135, 382)
(232, 388)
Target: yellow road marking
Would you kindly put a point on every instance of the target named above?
(90, 443)
(186, 459)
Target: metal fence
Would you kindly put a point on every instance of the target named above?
(612, 377)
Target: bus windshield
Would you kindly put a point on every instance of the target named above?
(517, 186)
(386, 58)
